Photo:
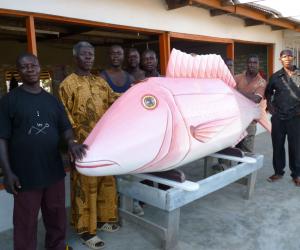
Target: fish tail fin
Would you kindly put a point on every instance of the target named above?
(264, 119)
(183, 65)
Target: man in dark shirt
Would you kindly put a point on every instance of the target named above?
(31, 124)
(118, 79)
(283, 102)
(133, 60)
(149, 63)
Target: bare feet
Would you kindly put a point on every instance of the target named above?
(274, 177)
(296, 180)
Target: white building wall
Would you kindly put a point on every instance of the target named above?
(153, 14)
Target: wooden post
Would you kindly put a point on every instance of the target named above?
(270, 59)
(31, 39)
(164, 51)
(230, 51)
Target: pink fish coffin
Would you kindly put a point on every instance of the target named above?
(166, 122)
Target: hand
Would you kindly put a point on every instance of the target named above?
(270, 109)
(77, 151)
(11, 183)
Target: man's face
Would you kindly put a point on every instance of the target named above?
(85, 58)
(287, 59)
(29, 70)
(149, 61)
(133, 59)
(116, 56)
(253, 65)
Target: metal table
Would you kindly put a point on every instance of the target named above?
(170, 201)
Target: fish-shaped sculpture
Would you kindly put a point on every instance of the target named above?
(166, 122)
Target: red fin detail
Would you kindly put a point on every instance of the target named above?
(206, 131)
(183, 65)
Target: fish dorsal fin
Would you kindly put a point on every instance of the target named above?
(183, 65)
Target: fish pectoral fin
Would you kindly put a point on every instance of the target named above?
(204, 132)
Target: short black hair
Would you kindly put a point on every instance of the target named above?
(286, 52)
(115, 46)
(253, 56)
(23, 55)
(133, 50)
(149, 51)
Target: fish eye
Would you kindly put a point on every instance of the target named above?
(149, 102)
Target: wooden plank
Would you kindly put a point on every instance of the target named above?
(164, 51)
(186, 185)
(215, 4)
(230, 51)
(246, 11)
(31, 38)
(199, 38)
(245, 159)
(77, 21)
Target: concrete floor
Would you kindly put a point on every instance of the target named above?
(220, 221)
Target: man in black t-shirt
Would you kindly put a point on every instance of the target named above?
(31, 124)
(283, 102)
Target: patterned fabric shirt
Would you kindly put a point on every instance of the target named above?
(86, 98)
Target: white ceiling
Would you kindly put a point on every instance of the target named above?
(288, 8)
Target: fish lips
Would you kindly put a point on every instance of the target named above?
(96, 164)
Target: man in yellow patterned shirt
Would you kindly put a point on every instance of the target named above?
(86, 97)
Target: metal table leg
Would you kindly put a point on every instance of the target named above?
(172, 226)
(251, 184)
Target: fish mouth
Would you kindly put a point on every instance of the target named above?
(96, 164)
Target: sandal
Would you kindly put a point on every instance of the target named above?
(108, 227)
(94, 243)
(274, 177)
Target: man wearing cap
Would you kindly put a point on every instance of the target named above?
(283, 102)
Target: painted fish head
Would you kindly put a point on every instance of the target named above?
(146, 110)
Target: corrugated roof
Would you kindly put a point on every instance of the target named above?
(284, 9)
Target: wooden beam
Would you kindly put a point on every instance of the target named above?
(215, 4)
(250, 13)
(246, 11)
(199, 38)
(31, 38)
(252, 22)
(227, 2)
(175, 4)
(274, 28)
(217, 12)
(77, 21)
(270, 51)
(164, 51)
(230, 51)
